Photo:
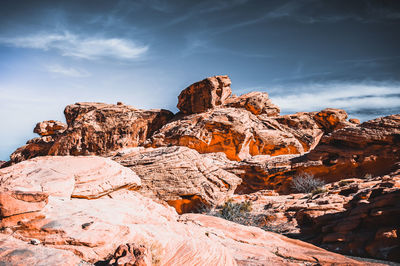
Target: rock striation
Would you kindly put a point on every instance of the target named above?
(180, 176)
(125, 227)
(257, 103)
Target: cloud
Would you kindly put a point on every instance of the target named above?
(73, 45)
(68, 71)
(364, 101)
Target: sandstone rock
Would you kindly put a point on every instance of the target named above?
(180, 176)
(369, 148)
(354, 121)
(205, 94)
(93, 129)
(255, 102)
(240, 134)
(2, 163)
(236, 132)
(131, 254)
(17, 252)
(49, 127)
(67, 176)
(94, 231)
(18, 202)
(354, 216)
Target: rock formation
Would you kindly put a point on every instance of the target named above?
(116, 209)
(180, 176)
(354, 216)
(205, 94)
(121, 225)
(94, 129)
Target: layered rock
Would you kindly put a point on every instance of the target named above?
(93, 129)
(354, 216)
(94, 230)
(180, 176)
(240, 134)
(353, 151)
(204, 95)
(255, 102)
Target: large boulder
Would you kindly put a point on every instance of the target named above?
(180, 176)
(98, 230)
(205, 94)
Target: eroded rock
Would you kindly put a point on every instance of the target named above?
(50, 127)
(255, 102)
(205, 94)
(180, 176)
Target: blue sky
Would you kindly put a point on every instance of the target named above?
(306, 54)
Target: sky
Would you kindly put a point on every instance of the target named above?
(307, 54)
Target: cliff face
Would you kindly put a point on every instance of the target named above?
(133, 203)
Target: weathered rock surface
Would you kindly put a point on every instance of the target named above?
(93, 129)
(240, 134)
(68, 176)
(17, 252)
(50, 127)
(358, 217)
(369, 148)
(255, 102)
(95, 229)
(205, 94)
(180, 176)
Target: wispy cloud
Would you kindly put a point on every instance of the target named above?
(73, 45)
(68, 71)
(364, 101)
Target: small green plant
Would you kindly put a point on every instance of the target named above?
(306, 183)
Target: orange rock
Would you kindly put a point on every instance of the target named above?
(181, 176)
(49, 127)
(255, 102)
(205, 94)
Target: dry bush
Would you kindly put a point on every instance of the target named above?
(306, 183)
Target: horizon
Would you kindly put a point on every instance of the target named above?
(307, 55)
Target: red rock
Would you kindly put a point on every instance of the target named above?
(255, 102)
(205, 94)
(49, 127)
(94, 129)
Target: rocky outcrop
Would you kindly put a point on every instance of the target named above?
(204, 95)
(180, 176)
(257, 103)
(240, 134)
(93, 129)
(100, 229)
(353, 151)
(357, 217)
(50, 127)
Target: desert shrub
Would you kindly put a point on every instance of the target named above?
(306, 183)
(318, 190)
(238, 212)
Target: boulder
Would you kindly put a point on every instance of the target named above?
(205, 94)
(255, 102)
(180, 176)
(50, 127)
